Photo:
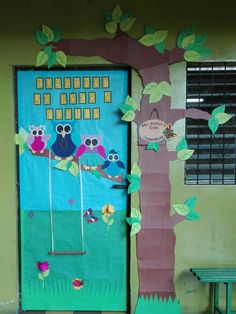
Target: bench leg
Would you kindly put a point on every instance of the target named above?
(216, 296)
(228, 297)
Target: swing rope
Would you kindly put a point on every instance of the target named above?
(81, 206)
(50, 198)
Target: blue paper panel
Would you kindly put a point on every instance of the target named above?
(51, 200)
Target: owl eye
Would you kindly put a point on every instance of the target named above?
(59, 128)
(94, 142)
(116, 157)
(67, 128)
(34, 132)
(40, 132)
(87, 142)
(110, 157)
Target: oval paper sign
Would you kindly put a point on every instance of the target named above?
(151, 130)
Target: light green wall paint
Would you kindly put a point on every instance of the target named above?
(206, 242)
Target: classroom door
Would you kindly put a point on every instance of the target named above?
(72, 196)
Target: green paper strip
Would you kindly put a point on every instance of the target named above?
(153, 145)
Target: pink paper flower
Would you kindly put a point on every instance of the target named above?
(71, 201)
(77, 283)
(42, 266)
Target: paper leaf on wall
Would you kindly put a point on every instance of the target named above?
(127, 24)
(160, 36)
(116, 14)
(96, 173)
(157, 90)
(130, 101)
(147, 40)
(165, 88)
(128, 116)
(191, 55)
(181, 209)
(160, 47)
(111, 27)
(213, 124)
(61, 58)
(136, 170)
(134, 221)
(135, 184)
(153, 146)
(128, 109)
(191, 202)
(185, 154)
(48, 32)
(42, 58)
(223, 117)
(74, 169)
(41, 37)
(154, 38)
(219, 109)
(185, 33)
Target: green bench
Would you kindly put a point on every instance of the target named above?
(216, 276)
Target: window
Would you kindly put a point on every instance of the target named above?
(210, 85)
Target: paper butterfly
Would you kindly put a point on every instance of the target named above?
(134, 221)
(168, 132)
(88, 215)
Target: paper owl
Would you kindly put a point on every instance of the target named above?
(63, 147)
(113, 165)
(91, 153)
(37, 140)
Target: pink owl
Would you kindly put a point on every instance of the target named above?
(91, 153)
(37, 140)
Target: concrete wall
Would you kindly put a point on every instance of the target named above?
(209, 241)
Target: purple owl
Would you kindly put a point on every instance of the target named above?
(91, 153)
(37, 140)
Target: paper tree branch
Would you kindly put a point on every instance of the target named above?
(99, 168)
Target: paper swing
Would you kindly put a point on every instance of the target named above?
(53, 251)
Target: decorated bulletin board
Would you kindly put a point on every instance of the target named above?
(73, 155)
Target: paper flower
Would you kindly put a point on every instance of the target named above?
(108, 210)
(78, 284)
(71, 201)
(43, 267)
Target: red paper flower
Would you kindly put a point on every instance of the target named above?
(42, 266)
(77, 283)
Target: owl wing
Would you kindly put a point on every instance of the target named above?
(101, 151)
(120, 164)
(30, 139)
(81, 149)
(45, 138)
(106, 164)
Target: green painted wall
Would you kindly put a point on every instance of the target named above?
(209, 241)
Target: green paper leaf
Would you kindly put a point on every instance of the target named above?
(130, 101)
(149, 87)
(56, 33)
(40, 276)
(204, 52)
(131, 221)
(156, 95)
(111, 27)
(148, 40)
(213, 124)
(127, 14)
(23, 134)
(48, 32)
(105, 219)
(116, 14)
(200, 39)
(45, 273)
(181, 209)
(182, 145)
(21, 149)
(42, 58)
(96, 173)
(127, 24)
(136, 170)
(223, 117)
(185, 154)
(165, 88)
(48, 49)
(110, 222)
(128, 116)
(62, 165)
(188, 40)
(191, 202)
(135, 213)
(186, 32)
(191, 55)
(193, 215)
(153, 145)
(136, 227)
(125, 108)
(108, 16)
(149, 30)
(134, 183)
(61, 58)
(74, 169)
(41, 37)
(160, 36)
(219, 109)
(51, 59)
(160, 47)
(19, 140)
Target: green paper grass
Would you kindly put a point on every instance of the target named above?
(157, 306)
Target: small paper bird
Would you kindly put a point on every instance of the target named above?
(134, 221)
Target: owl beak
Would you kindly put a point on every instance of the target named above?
(63, 133)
